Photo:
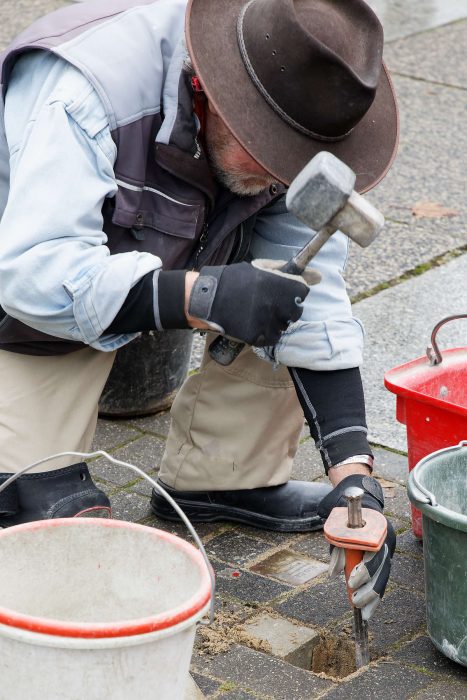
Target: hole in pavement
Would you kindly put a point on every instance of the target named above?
(334, 656)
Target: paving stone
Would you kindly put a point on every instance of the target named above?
(443, 690)
(259, 673)
(399, 505)
(400, 614)
(145, 453)
(143, 486)
(112, 433)
(407, 543)
(307, 464)
(417, 58)
(290, 567)
(203, 530)
(274, 538)
(408, 571)
(18, 14)
(384, 681)
(290, 642)
(235, 548)
(400, 525)
(245, 585)
(314, 544)
(408, 241)
(390, 465)
(207, 686)
(237, 695)
(402, 246)
(319, 604)
(192, 691)
(402, 18)
(422, 653)
(129, 506)
(159, 423)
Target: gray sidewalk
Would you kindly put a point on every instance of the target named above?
(276, 607)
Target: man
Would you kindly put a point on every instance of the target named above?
(130, 179)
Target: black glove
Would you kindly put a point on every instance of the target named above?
(369, 578)
(247, 303)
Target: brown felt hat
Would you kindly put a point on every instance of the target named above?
(291, 78)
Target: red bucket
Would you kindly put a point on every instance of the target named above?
(431, 402)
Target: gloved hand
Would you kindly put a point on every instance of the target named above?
(247, 303)
(369, 578)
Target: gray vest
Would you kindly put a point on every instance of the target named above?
(167, 201)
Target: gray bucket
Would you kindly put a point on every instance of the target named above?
(438, 487)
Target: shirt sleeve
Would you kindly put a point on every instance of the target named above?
(334, 406)
(327, 336)
(56, 271)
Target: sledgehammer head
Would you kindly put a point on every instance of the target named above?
(323, 195)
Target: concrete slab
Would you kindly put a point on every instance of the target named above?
(401, 18)
(16, 15)
(427, 166)
(427, 169)
(290, 642)
(437, 55)
(390, 465)
(398, 324)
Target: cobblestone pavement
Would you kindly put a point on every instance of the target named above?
(283, 628)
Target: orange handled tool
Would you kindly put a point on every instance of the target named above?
(357, 530)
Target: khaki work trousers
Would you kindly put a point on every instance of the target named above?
(233, 427)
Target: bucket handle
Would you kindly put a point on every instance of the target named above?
(156, 486)
(432, 351)
(429, 498)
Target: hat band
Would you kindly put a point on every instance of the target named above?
(270, 100)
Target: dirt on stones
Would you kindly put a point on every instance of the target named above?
(334, 656)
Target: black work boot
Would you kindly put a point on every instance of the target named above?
(63, 493)
(290, 507)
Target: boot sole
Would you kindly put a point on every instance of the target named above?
(198, 512)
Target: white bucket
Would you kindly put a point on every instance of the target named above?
(93, 609)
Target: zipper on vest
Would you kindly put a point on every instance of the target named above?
(203, 239)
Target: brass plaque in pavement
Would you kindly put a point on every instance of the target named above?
(290, 567)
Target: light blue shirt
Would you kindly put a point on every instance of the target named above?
(56, 272)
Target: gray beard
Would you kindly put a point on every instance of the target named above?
(236, 183)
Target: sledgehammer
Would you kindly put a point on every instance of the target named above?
(322, 196)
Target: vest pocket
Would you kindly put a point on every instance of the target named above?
(158, 223)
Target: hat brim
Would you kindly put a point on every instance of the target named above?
(211, 33)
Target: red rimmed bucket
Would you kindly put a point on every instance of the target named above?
(431, 402)
(93, 608)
